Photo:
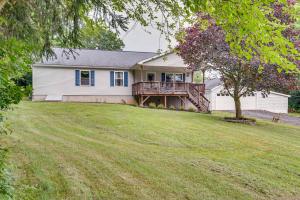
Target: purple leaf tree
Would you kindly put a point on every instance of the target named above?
(203, 46)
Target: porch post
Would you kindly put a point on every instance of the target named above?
(141, 73)
(192, 76)
(173, 83)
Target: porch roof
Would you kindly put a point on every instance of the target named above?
(167, 61)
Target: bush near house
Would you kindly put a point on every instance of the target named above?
(160, 106)
(294, 101)
(191, 109)
(172, 107)
(181, 108)
(152, 105)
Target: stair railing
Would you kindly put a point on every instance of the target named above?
(198, 97)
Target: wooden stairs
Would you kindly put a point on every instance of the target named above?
(198, 99)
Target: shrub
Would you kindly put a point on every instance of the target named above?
(27, 91)
(181, 108)
(152, 105)
(6, 189)
(294, 101)
(172, 107)
(191, 109)
(160, 106)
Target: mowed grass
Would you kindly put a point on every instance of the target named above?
(104, 151)
(295, 114)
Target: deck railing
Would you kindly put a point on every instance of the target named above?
(161, 88)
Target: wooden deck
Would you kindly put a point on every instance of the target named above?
(193, 92)
(165, 88)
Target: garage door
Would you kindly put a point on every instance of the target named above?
(273, 103)
(224, 103)
(227, 103)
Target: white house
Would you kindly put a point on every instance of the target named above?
(117, 77)
(129, 77)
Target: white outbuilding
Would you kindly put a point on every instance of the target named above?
(220, 100)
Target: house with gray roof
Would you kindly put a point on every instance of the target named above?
(117, 77)
(136, 78)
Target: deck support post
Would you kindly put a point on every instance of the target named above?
(147, 97)
(182, 101)
(141, 101)
(165, 101)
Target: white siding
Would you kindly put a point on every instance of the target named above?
(273, 102)
(61, 81)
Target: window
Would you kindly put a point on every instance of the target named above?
(85, 77)
(119, 78)
(179, 77)
(169, 77)
(150, 76)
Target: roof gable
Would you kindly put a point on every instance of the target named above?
(170, 59)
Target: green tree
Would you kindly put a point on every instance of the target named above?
(96, 35)
(297, 8)
(251, 28)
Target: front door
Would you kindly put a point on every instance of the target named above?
(150, 76)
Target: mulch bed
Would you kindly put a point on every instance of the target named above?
(241, 120)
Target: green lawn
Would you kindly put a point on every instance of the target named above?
(103, 151)
(294, 114)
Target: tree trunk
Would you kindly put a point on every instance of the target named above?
(238, 110)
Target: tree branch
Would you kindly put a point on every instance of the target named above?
(2, 4)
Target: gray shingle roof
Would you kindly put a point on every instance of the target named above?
(97, 58)
(210, 84)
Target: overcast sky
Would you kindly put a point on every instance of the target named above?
(148, 39)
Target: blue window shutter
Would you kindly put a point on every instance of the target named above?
(77, 77)
(92, 78)
(112, 78)
(163, 77)
(126, 79)
(183, 77)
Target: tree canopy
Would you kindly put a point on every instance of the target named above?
(207, 48)
(251, 28)
(95, 35)
(40, 21)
